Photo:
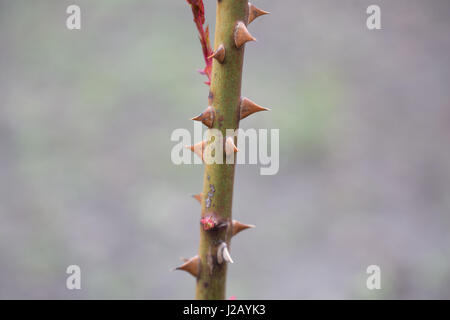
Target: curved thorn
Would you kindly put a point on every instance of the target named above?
(219, 54)
(226, 255)
(238, 227)
(206, 117)
(254, 12)
(241, 35)
(198, 197)
(230, 147)
(191, 266)
(223, 254)
(198, 148)
(248, 107)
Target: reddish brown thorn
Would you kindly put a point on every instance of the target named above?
(238, 227)
(241, 35)
(254, 12)
(230, 147)
(198, 197)
(206, 117)
(198, 148)
(248, 107)
(219, 54)
(191, 266)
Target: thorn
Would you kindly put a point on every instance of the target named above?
(248, 107)
(226, 255)
(191, 265)
(223, 254)
(198, 148)
(198, 197)
(230, 147)
(219, 54)
(206, 117)
(254, 12)
(238, 227)
(241, 35)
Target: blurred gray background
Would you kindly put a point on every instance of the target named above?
(85, 171)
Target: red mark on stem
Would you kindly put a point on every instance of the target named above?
(208, 223)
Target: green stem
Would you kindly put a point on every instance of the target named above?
(225, 97)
